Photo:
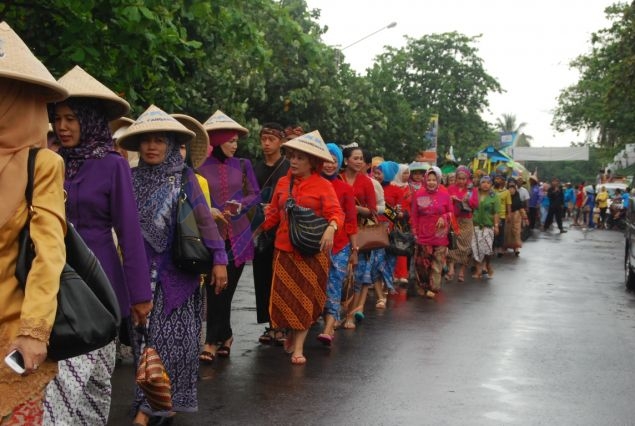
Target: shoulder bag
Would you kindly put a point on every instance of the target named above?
(305, 227)
(401, 242)
(372, 234)
(188, 251)
(88, 315)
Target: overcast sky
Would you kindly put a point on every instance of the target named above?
(525, 45)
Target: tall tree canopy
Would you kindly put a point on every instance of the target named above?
(264, 60)
(603, 99)
(442, 74)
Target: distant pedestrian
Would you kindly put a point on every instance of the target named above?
(556, 205)
(486, 226)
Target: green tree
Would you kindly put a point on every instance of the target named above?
(603, 99)
(443, 74)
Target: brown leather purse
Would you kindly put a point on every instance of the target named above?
(372, 234)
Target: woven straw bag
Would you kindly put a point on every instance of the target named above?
(154, 381)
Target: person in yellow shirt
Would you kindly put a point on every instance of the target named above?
(504, 207)
(26, 318)
(602, 201)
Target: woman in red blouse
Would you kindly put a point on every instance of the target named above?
(298, 289)
(354, 174)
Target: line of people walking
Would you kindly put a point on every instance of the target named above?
(383, 226)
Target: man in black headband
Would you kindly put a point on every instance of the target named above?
(273, 166)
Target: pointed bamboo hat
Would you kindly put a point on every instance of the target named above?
(312, 144)
(119, 126)
(153, 120)
(18, 63)
(80, 84)
(221, 121)
(200, 143)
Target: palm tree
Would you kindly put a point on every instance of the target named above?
(507, 123)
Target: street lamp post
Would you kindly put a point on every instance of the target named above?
(391, 25)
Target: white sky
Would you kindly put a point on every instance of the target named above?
(525, 45)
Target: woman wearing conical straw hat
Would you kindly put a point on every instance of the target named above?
(26, 319)
(298, 289)
(234, 191)
(175, 322)
(100, 199)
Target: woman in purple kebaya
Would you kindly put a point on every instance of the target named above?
(99, 199)
(233, 192)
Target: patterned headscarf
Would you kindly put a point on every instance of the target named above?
(157, 189)
(95, 140)
(466, 171)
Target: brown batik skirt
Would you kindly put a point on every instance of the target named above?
(298, 289)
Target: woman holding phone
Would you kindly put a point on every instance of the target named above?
(26, 319)
(233, 191)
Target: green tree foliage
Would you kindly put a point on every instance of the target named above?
(443, 74)
(604, 96)
(264, 60)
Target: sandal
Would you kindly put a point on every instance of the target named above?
(279, 337)
(358, 315)
(206, 357)
(348, 325)
(266, 338)
(461, 278)
(298, 360)
(326, 339)
(225, 350)
(381, 304)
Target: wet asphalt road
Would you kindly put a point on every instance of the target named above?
(548, 340)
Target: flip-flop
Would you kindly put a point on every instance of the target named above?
(359, 316)
(326, 339)
(461, 278)
(206, 357)
(298, 360)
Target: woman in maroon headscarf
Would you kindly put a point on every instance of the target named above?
(233, 191)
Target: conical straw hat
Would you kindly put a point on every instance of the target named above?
(18, 63)
(119, 126)
(200, 143)
(153, 120)
(80, 84)
(221, 121)
(312, 144)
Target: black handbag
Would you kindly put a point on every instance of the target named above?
(401, 242)
(88, 315)
(305, 227)
(188, 251)
(452, 242)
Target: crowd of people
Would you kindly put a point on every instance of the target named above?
(121, 182)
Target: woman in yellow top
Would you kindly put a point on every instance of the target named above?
(602, 201)
(26, 319)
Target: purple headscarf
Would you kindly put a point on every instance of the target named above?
(95, 140)
(464, 170)
(157, 189)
